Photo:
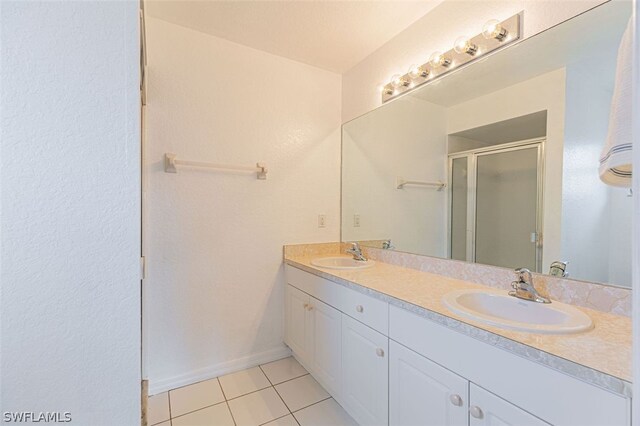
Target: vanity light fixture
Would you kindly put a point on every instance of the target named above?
(415, 72)
(438, 59)
(493, 29)
(495, 35)
(464, 45)
(385, 89)
(398, 81)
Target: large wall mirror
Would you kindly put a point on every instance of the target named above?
(497, 162)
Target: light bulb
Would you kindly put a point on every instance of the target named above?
(438, 59)
(464, 45)
(384, 88)
(398, 81)
(493, 29)
(417, 71)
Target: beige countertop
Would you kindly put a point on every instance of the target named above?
(601, 356)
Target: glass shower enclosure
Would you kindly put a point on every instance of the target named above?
(495, 205)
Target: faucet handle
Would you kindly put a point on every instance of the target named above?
(355, 246)
(524, 275)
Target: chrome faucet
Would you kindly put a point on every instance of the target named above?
(356, 252)
(523, 287)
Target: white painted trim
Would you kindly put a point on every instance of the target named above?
(163, 385)
(635, 410)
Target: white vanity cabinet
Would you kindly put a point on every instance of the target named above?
(298, 319)
(365, 374)
(423, 393)
(386, 365)
(326, 355)
(487, 409)
(313, 331)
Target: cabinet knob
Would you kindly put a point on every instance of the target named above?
(456, 400)
(306, 306)
(309, 307)
(360, 308)
(380, 352)
(475, 411)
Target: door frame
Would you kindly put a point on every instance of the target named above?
(472, 160)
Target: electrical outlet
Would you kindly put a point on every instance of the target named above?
(356, 221)
(322, 220)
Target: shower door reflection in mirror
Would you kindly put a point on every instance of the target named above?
(495, 205)
(497, 162)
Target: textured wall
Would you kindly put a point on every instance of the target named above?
(437, 30)
(70, 224)
(214, 298)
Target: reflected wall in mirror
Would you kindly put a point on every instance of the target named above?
(516, 139)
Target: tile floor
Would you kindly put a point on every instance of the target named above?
(280, 393)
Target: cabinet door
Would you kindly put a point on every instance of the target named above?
(365, 373)
(327, 345)
(422, 393)
(486, 409)
(298, 323)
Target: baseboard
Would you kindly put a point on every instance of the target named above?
(163, 385)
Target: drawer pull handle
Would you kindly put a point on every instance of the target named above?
(475, 411)
(360, 308)
(455, 400)
(380, 352)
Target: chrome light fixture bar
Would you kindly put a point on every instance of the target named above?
(494, 35)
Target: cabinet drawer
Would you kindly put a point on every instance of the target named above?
(366, 309)
(323, 290)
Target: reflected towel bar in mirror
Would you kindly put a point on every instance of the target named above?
(400, 183)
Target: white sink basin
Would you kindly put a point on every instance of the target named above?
(501, 310)
(341, 262)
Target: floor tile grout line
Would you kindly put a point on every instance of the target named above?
(226, 401)
(224, 395)
(311, 405)
(230, 412)
(169, 401)
(282, 399)
(288, 380)
(284, 381)
(249, 393)
(277, 418)
(193, 411)
(273, 386)
(265, 375)
(277, 393)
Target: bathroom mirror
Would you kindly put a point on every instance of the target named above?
(497, 162)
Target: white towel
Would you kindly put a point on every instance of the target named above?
(615, 160)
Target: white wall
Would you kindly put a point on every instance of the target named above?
(70, 223)
(406, 139)
(545, 92)
(437, 30)
(214, 240)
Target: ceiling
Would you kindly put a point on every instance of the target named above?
(333, 35)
